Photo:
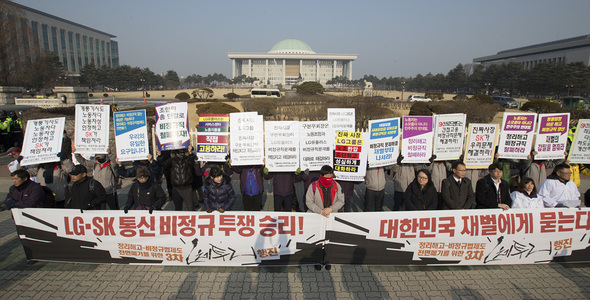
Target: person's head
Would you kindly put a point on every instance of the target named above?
(527, 185)
(2, 114)
(459, 169)
(101, 158)
(78, 173)
(12, 114)
(142, 174)
(19, 177)
(14, 152)
(326, 171)
(495, 171)
(423, 177)
(563, 171)
(216, 174)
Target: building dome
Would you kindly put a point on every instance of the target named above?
(291, 46)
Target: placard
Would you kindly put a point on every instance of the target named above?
(449, 136)
(131, 135)
(417, 134)
(350, 156)
(42, 141)
(480, 145)
(172, 126)
(383, 142)
(315, 147)
(92, 128)
(551, 138)
(281, 145)
(247, 138)
(580, 148)
(516, 138)
(340, 119)
(212, 137)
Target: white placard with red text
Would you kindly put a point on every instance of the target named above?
(92, 128)
(42, 141)
(281, 145)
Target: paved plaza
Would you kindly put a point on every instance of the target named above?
(20, 279)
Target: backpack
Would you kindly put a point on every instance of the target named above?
(49, 200)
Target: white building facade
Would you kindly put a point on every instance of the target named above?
(291, 61)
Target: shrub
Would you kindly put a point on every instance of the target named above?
(420, 109)
(231, 96)
(434, 95)
(310, 88)
(105, 95)
(216, 108)
(461, 97)
(147, 95)
(265, 107)
(182, 96)
(541, 106)
(163, 96)
(90, 95)
(483, 99)
(204, 93)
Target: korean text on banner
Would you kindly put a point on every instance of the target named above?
(417, 134)
(350, 157)
(449, 136)
(171, 238)
(92, 128)
(172, 126)
(247, 138)
(552, 136)
(213, 137)
(42, 141)
(340, 119)
(315, 147)
(131, 135)
(383, 140)
(281, 145)
(580, 149)
(516, 138)
(480, 145)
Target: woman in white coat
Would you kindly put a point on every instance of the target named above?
(526, 196)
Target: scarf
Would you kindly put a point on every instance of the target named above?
(326, 181)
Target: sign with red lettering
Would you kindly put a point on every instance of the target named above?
(516, 138)
(480, 145)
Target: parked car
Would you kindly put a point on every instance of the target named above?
(507, 102)
(414, 98)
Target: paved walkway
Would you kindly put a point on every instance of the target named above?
(43, 280)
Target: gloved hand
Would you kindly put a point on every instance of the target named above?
(210, 210)
(152, 209)
(306, 171)
(19, 158)
(298, 171)
(126, 209)
(9, 203)
(400, 158)
(265, 171)
(432, 158)
(61, 156)
(221, 210)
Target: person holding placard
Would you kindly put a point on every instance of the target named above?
(181, 164)
(283, 188)
(456, 191)
(375, 189)
(104, 170)
(54, 175)
(537, 170)
(251, 185)
(558, 190)
(150, 164)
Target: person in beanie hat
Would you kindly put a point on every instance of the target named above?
(145, 193)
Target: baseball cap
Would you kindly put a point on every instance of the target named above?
(78, 169)
(12, 150)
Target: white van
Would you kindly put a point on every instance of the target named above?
(265, 93)
(419, 98)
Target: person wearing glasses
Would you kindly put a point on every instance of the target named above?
(558, 190)
(421, 193)
(457, 191)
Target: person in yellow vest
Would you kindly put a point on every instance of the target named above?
(5, 122)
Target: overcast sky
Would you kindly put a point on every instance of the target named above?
(391, 38)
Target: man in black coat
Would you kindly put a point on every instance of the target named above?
(456, 190)
(85, 193)
(181, 164)
(24, 192)
(492, 191)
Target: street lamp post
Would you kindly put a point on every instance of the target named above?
(487, 84)
(143, 88)
(568, 86)
(403, 88)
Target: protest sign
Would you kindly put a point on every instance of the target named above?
(281, 145)
(552, 136)
(516, 138)
(172, 126)
(316, 149)
(383, 142)
(92, 128)
(340, 119)
(42, 141)
(580, 148)
(131, 135)
(247, 139)
(212, 137)
(449, 136)
(350, 157)
(481, 142)
(417, 133)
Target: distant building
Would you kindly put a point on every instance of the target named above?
(576, 49)
(291, 61)
(76, 45)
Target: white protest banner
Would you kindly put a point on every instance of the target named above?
(459, 237)
(417, 134)
(213, 137)
(340, 119)
(131, 135)
(172, 126)
(281, 145)
(480, 145)
(92, 128)
(247, 139)
(171, 238)
(42, 141)
(552, 136)
(316, 148)
(383, 142)
(580, 149)
(516, 138)
(449, 136)
(350, 157)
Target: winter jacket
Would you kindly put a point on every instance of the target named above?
(218, 195)
(486, 195)
(537, 170)
(59, 177)
(182, 168)
(520, 200)
(243, 171)
(455, 196)
(87, 193)
(154, 169)
(28, 194)
(375, 179)
(315, 202)
(152, 196)
(475, 175)
(418, 199)
(283, 183)
(105, 173)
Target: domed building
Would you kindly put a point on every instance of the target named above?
(291, 61)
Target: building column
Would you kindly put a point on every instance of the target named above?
(266, 74)
(317, 70)
(334, 70)
(301, 68)
(249, 67)
(284, 71)
(350, 70)
(233, 68)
